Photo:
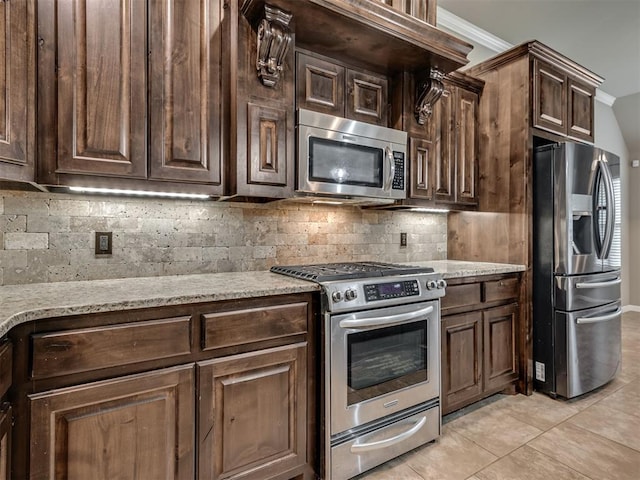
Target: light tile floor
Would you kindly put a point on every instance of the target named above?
(595, 436)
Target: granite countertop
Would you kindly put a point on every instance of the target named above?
(23, 303)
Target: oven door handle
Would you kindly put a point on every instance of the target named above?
(353, 322)
(392, 168)
(387, 442)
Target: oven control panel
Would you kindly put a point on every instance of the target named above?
(384, 291)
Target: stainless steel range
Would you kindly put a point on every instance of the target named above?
(381, 361)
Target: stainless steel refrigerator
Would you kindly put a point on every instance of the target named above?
(576, 268)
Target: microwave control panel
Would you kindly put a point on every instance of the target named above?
(398, 178)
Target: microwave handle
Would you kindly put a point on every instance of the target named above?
(392, 168)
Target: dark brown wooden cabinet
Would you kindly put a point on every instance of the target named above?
(140, 426)
(562, 104)
(424, 10)
(217, 390)
(328, 87)
(17, 105)
(5, 442)
(123, 98)
(253, 414)
(479, 339)
(443, 153)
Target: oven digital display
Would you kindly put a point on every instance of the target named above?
(383, 291)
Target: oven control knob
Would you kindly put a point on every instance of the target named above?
(336, 296)
(432, 284)
(350, 294)
(442, 283)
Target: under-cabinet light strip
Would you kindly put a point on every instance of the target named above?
(429, 210)
(139, 193)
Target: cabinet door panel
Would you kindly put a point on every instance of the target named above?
(140, 426)
(319, 85)
(500, 359)
(101, 52)
(367, 98)
(16, 149)
(466, 148)
(185, 90)
(549, 98)
(580, 111)
(253, 414)
(267, 145)
(444, 118)
(421, 171)
(461, 359)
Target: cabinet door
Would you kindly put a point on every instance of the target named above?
(5, 442)
(184, 77)
(16, 91)
(319, 85)
(549, 98)
(461, 360)
(466, 147)
(424, 10)
(136, 427)
(92, 81)
(252, 411)
(500, 359)
(580, 110)
(421, 169)
(367, 97)
(444, 137)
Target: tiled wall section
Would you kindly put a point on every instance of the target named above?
(47, 237)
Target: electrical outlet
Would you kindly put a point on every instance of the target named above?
(403, 239)
(104, 243)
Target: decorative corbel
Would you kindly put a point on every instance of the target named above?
(427, 94)
(274, 39)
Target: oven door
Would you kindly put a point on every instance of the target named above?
(382, 361)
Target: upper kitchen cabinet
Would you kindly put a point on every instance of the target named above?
(443, 149)
(562, 104)
(384, 36)
(17, 76)
(329, 87)
(424, 10)
(258, 70)
(129, 94)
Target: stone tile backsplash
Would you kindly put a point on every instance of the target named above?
(49, 237)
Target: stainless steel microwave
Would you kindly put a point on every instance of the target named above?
(347, 159)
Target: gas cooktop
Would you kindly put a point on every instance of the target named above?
(328, 272)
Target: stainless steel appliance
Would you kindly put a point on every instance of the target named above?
(349, 160)
(381, 361)
(576, 268)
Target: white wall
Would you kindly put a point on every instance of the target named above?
(609, 137)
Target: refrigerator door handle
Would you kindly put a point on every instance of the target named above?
(611, 210)
(602, 318)
(608, 283)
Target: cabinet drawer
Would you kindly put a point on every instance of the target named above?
(505, 289)
(6, 355)
(225, 329)
(461, 295)
(86, 349)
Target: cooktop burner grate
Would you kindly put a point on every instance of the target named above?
(346, 271)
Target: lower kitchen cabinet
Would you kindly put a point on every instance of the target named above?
(5, 442)
(210, 391)
(253, 416)
(135, 427)
(478, 335)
